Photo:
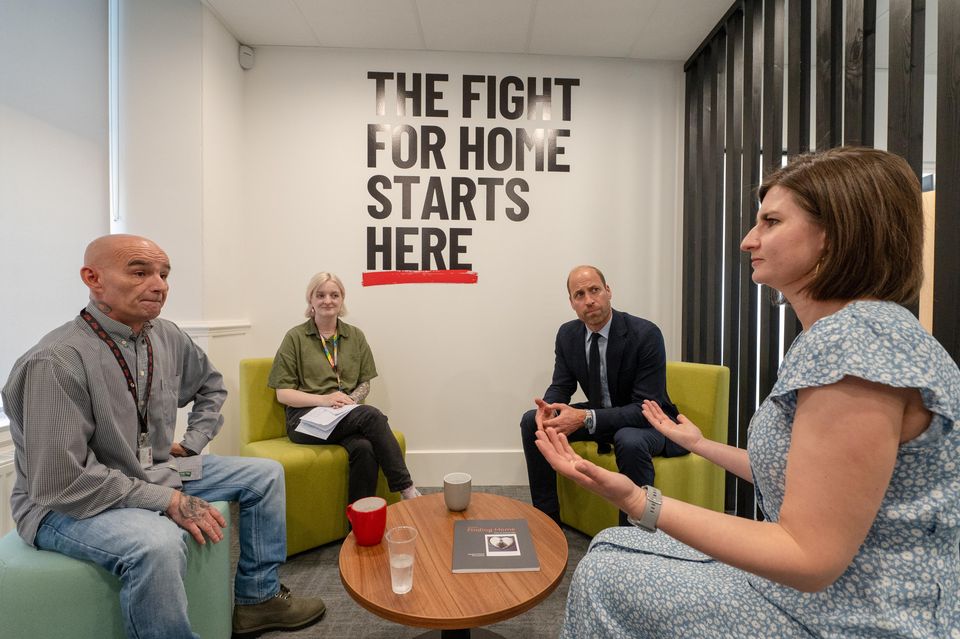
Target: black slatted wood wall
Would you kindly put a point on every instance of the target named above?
(774, 79)
(946, 270)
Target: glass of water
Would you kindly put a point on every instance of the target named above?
(401, 543)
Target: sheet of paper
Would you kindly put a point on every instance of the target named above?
(321, 421)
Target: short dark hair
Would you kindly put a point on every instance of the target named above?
(868, 203)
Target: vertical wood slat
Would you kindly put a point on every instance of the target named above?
(870, 72)
(713, 153)
(772, 86)
(905, 87)
(861, 27)
(829, 65)
(734, 132)
(798, 110)
(732, 192)
(689, 207)
(798, 78)
(906, 69)
(946, 269)
(853, 73)
(752, 38)
(689, 154)
(697, 247)
(772, 109)
(702, 322)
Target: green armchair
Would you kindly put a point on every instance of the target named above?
(702, 393)
(316, 476)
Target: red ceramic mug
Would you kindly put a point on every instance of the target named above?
(368, 516)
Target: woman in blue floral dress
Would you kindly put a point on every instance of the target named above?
(855, 455)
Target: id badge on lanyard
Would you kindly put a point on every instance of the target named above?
(144, 451)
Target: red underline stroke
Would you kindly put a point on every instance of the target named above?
(380, 278)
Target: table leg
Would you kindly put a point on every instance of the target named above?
(467, 633)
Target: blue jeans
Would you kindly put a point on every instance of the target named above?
(147, 552)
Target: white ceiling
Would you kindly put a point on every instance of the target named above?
(641, 29)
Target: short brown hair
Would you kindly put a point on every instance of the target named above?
(868, 203)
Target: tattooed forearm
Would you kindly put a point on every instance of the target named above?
(192, 508)
(360, 392)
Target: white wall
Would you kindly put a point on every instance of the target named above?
(223, 277)
(53, 162)
(254, 180)
(458, 363)
(161, 46)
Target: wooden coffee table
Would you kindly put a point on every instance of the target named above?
(440, 599)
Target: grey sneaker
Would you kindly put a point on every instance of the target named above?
(280, 612)
(410, 492)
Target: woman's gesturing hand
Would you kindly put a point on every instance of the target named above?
(614, 487)
(682, 432)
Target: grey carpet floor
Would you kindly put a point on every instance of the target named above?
(315, 573)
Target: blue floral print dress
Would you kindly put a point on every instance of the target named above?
(904, 580)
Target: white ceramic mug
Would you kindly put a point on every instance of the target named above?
(456, 491)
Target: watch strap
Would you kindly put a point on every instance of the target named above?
(651, 511)
(590, 421)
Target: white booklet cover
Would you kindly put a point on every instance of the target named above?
(321, 421)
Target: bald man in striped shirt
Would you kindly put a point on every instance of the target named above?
(99, 476)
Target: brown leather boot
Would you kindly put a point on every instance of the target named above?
(280, 612)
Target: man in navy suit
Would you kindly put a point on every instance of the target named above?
(632, 368)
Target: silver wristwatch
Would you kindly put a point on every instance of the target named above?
(588, 421)
(651, 512)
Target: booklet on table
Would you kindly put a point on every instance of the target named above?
(493, 545)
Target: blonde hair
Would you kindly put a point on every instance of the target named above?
(319, 280)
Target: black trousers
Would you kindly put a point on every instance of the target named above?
(370, 444)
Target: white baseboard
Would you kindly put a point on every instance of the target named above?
(488, 467)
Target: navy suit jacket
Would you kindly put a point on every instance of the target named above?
(636, 370)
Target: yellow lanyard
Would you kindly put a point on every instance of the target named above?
(335, 340)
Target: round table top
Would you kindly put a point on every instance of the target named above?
(440, 598)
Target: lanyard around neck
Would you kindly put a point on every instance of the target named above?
(332, 357)
(131, 382)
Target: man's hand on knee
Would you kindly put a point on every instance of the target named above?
(197, 517)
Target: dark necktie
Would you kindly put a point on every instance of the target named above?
(595, 390)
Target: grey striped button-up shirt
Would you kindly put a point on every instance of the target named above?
(74, 423)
